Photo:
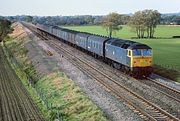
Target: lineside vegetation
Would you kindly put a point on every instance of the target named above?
(57, 96)
(5, 28)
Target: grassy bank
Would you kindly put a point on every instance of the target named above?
(21, 72)
(57, 96)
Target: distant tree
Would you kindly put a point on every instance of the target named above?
(49, 20)
(137, 24)
(173, 19)
(5, 28)
(144, 21)
(98, 20)
(29, 18)
(89, 19)
(112, 23)
(11, 18)
(152, 19)
(167, 19)
(176, 20)
(124, 19)
(35, 20)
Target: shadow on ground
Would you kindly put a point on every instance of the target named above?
(168, 73)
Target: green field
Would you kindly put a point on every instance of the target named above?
(166, 49)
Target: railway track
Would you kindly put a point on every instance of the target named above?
(144, 108)
(15, 102)
(174, 94)
(168, 91)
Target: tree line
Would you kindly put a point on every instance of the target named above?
(170, 19)
(143, 23)
(87, 19)
(63, 20)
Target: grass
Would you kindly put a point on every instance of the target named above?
(165, 48)
(20, 53)
(67, 98)
(57, 96)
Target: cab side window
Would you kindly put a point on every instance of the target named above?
(129, 53)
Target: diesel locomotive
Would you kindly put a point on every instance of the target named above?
(128, 56)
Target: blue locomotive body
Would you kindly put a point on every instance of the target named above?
(117, 54)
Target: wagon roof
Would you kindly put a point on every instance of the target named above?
(66, 30)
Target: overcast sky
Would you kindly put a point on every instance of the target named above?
(84, 7)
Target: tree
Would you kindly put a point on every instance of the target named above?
(111, 23)
(170, 19)
(152, 19)
(176, 20)
(137, 24)
(145, 20)
(124, 19)
(89, 19)
(98, 20)
(29, 18)
(5, 28)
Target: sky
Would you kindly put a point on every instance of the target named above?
(84, 7)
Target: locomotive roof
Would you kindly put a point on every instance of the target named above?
(139, 46)
(127, 44)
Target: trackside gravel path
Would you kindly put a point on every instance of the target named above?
(15, 102)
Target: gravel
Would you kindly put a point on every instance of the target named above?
(115, 109)
(146, 91)
(165, 81)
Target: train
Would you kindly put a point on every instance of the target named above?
(133, 58)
